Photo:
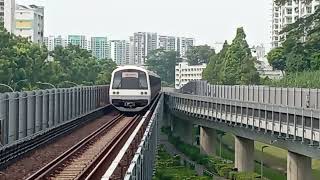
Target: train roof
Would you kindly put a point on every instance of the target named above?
(120, 68)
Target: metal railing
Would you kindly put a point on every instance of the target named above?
(142, 165)
(24, 114)
(291, 122)
(293, 97)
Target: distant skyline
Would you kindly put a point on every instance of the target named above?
(208, 21)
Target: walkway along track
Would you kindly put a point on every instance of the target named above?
(96, 150)
(9, 154)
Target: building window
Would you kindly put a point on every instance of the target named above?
(289, 11)
(289, 2)
(309, 9)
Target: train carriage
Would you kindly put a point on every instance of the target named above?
(133, 88)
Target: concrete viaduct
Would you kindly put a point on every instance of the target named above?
(284, 117)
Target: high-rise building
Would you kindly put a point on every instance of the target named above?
(49, 42)
(290, 12)
(78, 40)
(9, 15)
(100, 47)
(120, 51)
(184, 45)
(144, 43)
(131, 50)
(1, 11)
(168, 43)
(30, 22)
(60, 41)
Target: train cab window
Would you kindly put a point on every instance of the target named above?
(130, 79)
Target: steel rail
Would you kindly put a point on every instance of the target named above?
(100, 164)
(10, 153)
(49, 169)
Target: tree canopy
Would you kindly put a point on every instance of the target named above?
(234, 64)
(163, 63)
(300, 50)
(23, 64)
(199, 54)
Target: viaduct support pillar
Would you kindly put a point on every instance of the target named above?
(208, 141)
(298, 167)
(244, 154)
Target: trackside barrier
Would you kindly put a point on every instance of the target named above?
(142, 165)
(292, 97)
(23, 114)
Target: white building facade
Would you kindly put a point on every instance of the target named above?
(168, 43)
(185, 73)
(7, 14)
(143, 44)
(49, 42)
(120, 51)
(184, 45)
(290, 12)
(2, 11)
(30, 22)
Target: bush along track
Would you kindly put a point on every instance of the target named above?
(169, 168)
(222, 167)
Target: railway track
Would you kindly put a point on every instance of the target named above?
(91, 157)
(9, 154)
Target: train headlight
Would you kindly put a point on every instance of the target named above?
(141, 93)
(145, 93)
(118, 92)
(113, 92)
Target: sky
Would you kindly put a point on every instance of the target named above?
(208, 21)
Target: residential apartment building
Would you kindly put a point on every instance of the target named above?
(100, 47)
(60, 41)
(78, 40)
(1, 11)
(49, 42)
(30, 22)
(184, 45)
(290, 12)
(120, 51)
(144, 43)
(185, 73)
(7, 14)
(168, 43)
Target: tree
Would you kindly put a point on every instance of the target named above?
(200, 54)
(214, 71)
(239, 67)
(276, 59)
(23, 64)
(163, 63)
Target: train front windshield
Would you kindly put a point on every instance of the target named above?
(130, 79)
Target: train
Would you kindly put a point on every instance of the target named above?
(133, 88)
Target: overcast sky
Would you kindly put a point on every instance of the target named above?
(208, 21)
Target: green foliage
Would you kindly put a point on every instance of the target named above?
(200, 54)
(244, 176)
(163, 63)
(234, 64)
(169, 168)
(276, 59)
(218, 165)
(214, 71)
(300, 49)
(23, 64)
(307, 79)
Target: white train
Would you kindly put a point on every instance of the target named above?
(133, 88)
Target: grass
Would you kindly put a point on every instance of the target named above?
(273, 157)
